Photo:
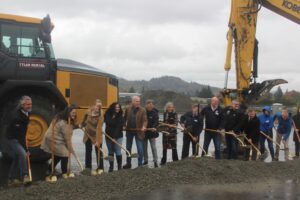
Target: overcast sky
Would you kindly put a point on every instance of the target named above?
(139, 39)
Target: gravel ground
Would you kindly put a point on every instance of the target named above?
(126, 183)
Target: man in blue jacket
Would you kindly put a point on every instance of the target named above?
(266, 126)
(285, 123)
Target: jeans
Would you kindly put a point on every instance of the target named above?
(217, 143)
(114, 148)
(18, 168)
(186, 146)
(279, 138)
(232, 146)
(262, 140)
(139, 145)
(153, 149)
(88, 155)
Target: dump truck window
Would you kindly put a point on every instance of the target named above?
(21, 41)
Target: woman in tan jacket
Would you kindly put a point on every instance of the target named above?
(92, 125)
(62, 138)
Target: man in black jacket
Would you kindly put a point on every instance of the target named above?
(232, 122)
(251, 129)
(153, 121)
(16, 135)
(192, 122)
(213, 117)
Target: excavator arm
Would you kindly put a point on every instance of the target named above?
(289, 9)
(241, 37)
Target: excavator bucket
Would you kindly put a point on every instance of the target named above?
(258, 90)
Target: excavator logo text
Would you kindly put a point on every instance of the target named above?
(291, 6)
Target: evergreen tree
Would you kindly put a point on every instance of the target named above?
(131, 90)
(278, 94)
(205, 92)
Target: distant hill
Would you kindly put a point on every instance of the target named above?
(181, 102)
(164, 83)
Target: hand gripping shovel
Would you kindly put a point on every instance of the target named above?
(105, 157)
(251, 143)
(52, 177)
(131, 155)
(184, 130)
(228, 133)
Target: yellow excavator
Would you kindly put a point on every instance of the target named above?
(241, 35)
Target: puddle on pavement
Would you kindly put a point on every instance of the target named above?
(287, 190)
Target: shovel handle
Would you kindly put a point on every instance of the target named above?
(78, 161)
(52, 146)
(121, 146)
(269, 138)
(28, 161)
(251, 143)
(228, 133)
(184, 130)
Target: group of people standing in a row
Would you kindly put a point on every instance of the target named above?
(143, 125)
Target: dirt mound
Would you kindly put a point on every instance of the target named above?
(125, 183)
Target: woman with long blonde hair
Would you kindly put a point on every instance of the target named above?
(170, 141)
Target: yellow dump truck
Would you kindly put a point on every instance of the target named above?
(28, 67)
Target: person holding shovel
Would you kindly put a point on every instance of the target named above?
(251, 129)
(114, 122)
(92, 125)
(285, 124)
(170, 141)
(266, 126)
(232, 122)
(296, 137)
(213, 119)
(135, 125)
(150, 136)
(58, 140)
(16, 136)
(192, 122)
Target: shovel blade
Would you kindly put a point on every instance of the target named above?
(51, 178)
(109, 158)
(134, 155)
(69, 175)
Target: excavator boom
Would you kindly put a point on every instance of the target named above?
(242, 38)
(289, 9)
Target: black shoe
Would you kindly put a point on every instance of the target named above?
(127, 166)
(155, 165)
(110, 170)
(145, 163)
(274, 159)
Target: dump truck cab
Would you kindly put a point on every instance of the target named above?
(26, 51)
(28, 67)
